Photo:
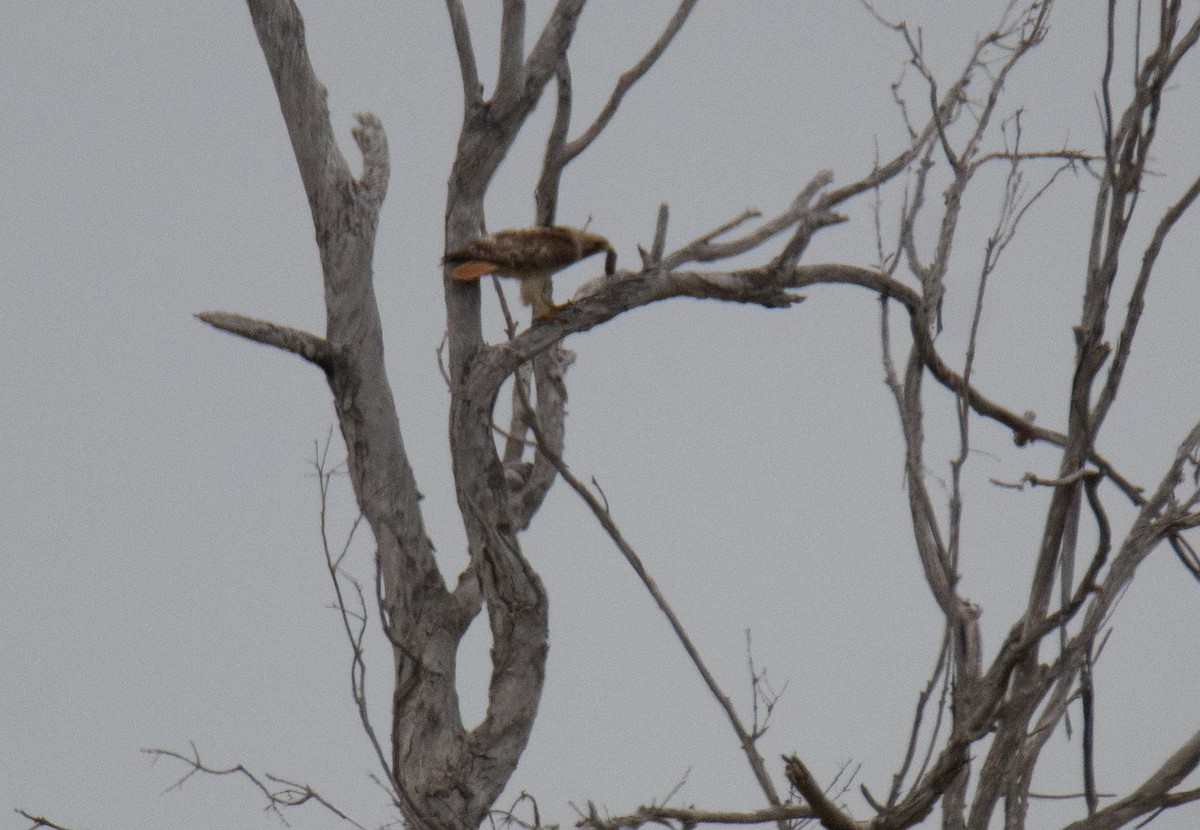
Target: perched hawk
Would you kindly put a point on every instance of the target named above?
(531, 255)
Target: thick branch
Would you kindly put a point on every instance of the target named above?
(549, 50)
(602, 299)
(829, 814)
(510, 81)
(310, 347)
(280, 32)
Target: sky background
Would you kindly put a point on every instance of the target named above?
(161, 576)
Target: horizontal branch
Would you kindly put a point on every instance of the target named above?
(691, 816)
(312, 348)
(601, 299)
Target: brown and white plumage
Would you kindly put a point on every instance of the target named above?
(531, 255)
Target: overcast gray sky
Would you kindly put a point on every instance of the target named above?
(161, 579)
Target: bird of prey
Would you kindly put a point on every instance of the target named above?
(531, 255)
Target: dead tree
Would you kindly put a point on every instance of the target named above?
(444, 776)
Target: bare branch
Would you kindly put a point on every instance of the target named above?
(545, 195)
(918, 716)
(603, 299)
(761, 693)
(310, 347)
(354, 623)
(322, 166)
(1088, 701)
(1065, 155)
(510, 82)
(40, 821)
(660, 236)
(745, 738)
(560, 152)
(692, 816)
(1067, 796)
(1137, 300)
(703, 249)
(472, 89)
(510, 817)
(829, 814)
(371, 187)
(1153, 794)
(1186, 553)
(547, 53)
(279, 792)
(626, 82)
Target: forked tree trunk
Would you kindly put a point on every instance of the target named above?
(445, 776)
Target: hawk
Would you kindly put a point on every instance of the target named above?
(531, 255)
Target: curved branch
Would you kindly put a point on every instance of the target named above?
(626, 82)
(602, 299)
(1154, 793)
(371, 187)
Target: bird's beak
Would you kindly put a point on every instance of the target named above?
(610, 262)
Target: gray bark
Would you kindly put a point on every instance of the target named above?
(444, 776)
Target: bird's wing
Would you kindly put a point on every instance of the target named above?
(517, 253)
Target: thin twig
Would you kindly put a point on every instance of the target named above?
(745, 738)
(40, 821)
(918, 716)
(279, 792)
(354, 624)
